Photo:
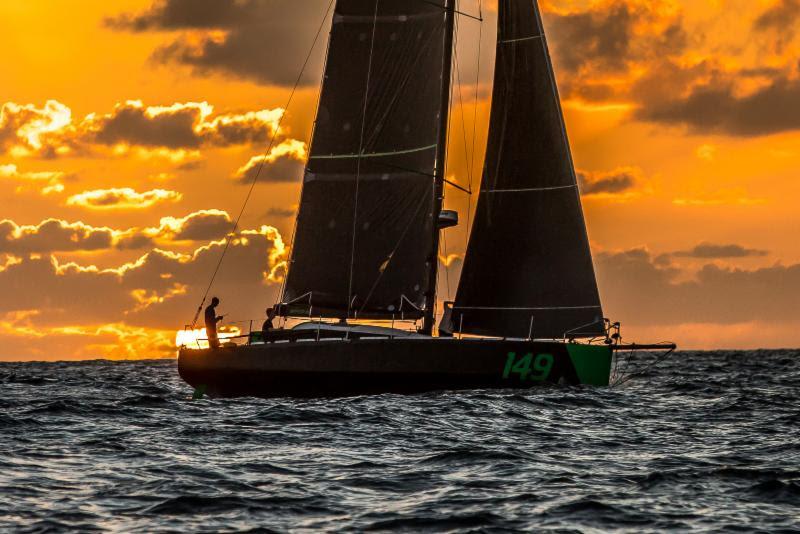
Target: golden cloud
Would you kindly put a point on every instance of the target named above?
(24, 128)
(57, 235)
(23, 335)
(122, 198)
(175, 132)
(284, 164)
(43, 182)
(159, 288)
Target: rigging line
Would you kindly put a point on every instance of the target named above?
(275, 132)
(474, 122)
(461, 188)
(449, 122)
(456, 11)
(279, 296)
(391, 256)
(406, 169)
(461, 106)
(358, 161)
(446, 265)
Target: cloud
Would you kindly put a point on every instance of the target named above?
(159, 290)
(600, 48)
(44, 183)
(132, 123)
(713, 251)
(725, 197)
(608, 35)
(56, 235)
(640, 291)
(25, 128)
(281, 213)
(781, 17)
(285, 163)
(246, 39)
(715, 107)
(122, 198)
(176, 131)
(179, 126)
(53, 235)
(615, 182)
(25, 339)
(672, 69)
(203, 225)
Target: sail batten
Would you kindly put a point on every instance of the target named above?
(528, 269)
(366, 218)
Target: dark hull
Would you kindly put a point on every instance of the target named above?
(373, 366)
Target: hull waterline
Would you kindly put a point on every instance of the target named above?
(335, 368)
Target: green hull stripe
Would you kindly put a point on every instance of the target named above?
(592, 363)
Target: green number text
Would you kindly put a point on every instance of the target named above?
(527, 367)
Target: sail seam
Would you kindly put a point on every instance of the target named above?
(530, 189)
(531, 38)
(375, 154)
(362, 19)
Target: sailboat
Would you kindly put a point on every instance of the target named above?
(527, 310)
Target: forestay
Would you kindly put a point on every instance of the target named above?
(365, 224)
(528, 269)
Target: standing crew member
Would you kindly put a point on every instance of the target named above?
(211, 323)
(267, 326)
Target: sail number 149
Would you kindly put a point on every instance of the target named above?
(529, 367)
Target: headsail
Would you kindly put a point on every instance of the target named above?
(365, 224)
(528, 265)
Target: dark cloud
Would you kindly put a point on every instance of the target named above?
(53, 235)
(263, 40)
(159, 290)
(281, 213)
(284, 164)
(709, 251)
(131, 124)
(180, 126)
(50, 131)
(186, 14)
(204, 225)
(610, 38)
(783, 17)
(715, 108)
(640, 291)
(605, 36)
(56, 235)
(614, 182)
(646, 43)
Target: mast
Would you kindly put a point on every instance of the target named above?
(441, 160)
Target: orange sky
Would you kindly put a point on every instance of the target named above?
(129, 124)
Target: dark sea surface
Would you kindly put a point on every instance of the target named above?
(703, 442)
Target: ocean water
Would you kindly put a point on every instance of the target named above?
(703, 442)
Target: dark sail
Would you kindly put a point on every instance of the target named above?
(365, 224)
(528, 265)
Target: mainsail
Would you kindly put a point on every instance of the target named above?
(528, 269)
(365, 228)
